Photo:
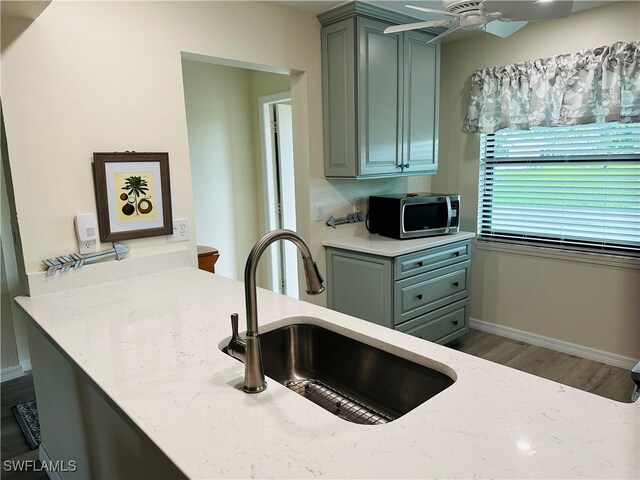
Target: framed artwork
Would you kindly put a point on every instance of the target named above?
(133, 195)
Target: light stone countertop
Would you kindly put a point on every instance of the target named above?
(356, 237)
(182, 391)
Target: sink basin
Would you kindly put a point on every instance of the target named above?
(355, 381)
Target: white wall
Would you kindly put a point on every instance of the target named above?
(590, 305)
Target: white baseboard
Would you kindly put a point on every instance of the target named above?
(26, 365)
(16, 371)
(10, 373)
(558, 345)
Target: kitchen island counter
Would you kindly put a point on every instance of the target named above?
(149, 347)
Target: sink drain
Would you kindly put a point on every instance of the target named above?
(337, 403)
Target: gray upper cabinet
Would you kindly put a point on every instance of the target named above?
(421, 90)
(379, 76)
(380, 95)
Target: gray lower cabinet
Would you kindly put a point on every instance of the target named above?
(380, 97)
(423, 293)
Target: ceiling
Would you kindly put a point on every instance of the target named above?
(316, 7)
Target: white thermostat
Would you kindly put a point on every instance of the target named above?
(87, 232)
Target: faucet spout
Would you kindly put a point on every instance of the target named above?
(254, 380)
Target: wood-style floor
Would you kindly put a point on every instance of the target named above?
(611, 382)
(594, 377)
(14, 446)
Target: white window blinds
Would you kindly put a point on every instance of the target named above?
(575, 187)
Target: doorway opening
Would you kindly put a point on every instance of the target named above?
(243, 182)
(276, 133)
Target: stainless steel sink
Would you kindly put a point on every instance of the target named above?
(355, 381)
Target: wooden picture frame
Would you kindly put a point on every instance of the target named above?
(133, 195)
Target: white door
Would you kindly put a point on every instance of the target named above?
(283, 140)
(279, 190)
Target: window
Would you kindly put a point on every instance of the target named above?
(573, 187)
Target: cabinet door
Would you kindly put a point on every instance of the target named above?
(338, 94)
(360, 285)
(379, 98)
(420, 132)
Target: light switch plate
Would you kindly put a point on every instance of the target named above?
(180, 230)
(318, 212)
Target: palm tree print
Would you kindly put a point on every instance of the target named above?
(137, 186)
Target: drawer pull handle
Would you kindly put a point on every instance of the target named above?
(420, 264)
(454, 284)
(455, 322)
(419, 296)
(456, 254)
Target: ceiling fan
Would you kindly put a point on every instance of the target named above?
(498, 17)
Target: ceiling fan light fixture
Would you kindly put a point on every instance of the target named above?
(497, 17)
(473, 21)
(462, 6)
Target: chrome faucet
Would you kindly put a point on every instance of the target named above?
(248, 350)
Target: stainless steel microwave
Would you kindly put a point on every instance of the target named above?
(414, 215)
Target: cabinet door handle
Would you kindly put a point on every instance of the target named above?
(406, 165)
(454, 284)
(419, 296)
(455, 322)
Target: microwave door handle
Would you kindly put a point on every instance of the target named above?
(446, 230)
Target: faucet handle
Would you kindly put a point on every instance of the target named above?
(234, 327)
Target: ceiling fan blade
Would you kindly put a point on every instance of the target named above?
(529, 10)
(431, 10)
(503, 29)
(417, 25)
(442, 35)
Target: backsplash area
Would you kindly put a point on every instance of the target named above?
(341, 197)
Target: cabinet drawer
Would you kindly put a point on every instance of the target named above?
(416, 263)
(423, 293)
(444, 324)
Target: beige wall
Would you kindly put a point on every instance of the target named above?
(224, 147)
(105, 76)
(8, 348)
(222, 159)
(590, 305)
(14, 347)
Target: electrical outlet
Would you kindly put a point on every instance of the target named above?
(87, 246)
(180, 230)
(87, 232)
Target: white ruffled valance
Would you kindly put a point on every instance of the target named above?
(599, 85)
